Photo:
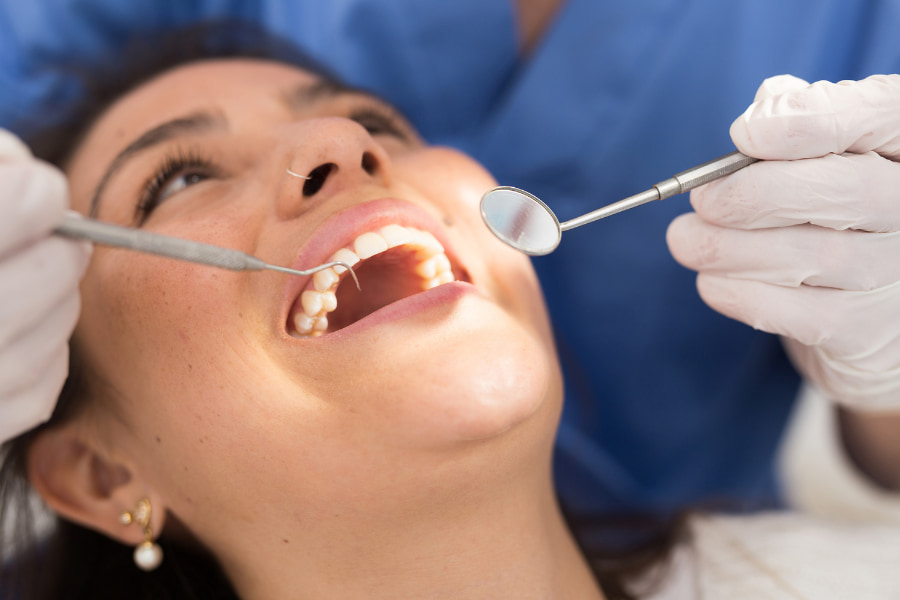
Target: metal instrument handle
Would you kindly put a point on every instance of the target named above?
(154, 243)
(703, 174)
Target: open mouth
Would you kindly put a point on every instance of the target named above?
(391, 263)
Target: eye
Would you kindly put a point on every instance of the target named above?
(378, 120)
(176, 174)
(178, 183)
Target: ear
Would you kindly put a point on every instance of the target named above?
(79, 481)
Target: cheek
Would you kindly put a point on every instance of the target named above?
(156, 318)
(152, 326)
(447, 177)
(181, 356)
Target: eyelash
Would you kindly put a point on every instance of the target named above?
(181, 163)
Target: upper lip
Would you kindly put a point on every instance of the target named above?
(342, 228)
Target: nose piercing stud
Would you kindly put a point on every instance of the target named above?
(297, 175)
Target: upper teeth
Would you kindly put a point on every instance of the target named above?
(320, 299)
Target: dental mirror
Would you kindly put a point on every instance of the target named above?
(523, 221)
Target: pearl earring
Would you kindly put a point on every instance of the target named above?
(147, 555)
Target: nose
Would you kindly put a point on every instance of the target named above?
(333, 154)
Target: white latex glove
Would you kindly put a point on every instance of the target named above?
(807, 243)
(39, 276)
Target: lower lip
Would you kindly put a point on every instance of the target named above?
(421, 302)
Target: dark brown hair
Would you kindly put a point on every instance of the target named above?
(75, 563)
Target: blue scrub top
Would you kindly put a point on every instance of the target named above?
(667, 402)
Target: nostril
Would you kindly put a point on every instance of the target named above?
(317, 178)
(369, 163)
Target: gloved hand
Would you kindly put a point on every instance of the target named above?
(39, 276)
(807, 243)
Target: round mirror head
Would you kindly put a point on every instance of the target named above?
(521, 220)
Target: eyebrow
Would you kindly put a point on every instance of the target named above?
(199, 122)
(298, 97)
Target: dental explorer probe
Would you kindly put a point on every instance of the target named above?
(73, 226)
(524, 222)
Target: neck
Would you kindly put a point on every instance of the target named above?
(479, 545)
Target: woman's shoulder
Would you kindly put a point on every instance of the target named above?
(783, 555)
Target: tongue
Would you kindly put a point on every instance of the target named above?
(384, 279)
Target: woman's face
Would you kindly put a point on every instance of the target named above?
(226, 394)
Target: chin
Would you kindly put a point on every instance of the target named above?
(485, 382)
